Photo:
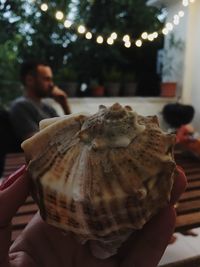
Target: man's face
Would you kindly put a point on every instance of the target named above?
(43, 81)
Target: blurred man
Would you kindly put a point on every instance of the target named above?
(28, 110)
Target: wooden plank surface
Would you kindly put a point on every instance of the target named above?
(19, 222)
(27, 209)
(12, 162)
(193, 185)
(188, 207)
(188, 221)
(190, 195)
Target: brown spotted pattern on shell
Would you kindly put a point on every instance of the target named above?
(101, 176)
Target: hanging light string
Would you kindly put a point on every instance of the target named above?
(126, 39)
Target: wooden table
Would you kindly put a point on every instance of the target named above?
(188, 207)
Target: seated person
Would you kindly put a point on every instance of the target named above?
(179, 117)
(175, 115)
(8, 141)
(188, 140)
(28, 110)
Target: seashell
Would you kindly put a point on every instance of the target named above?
(101, 176)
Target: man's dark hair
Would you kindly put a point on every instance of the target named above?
(30, 68)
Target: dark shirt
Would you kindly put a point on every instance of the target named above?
(26, 115)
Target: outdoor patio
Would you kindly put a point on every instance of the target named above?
(143, 55)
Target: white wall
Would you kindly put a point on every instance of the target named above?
(191, 88)
(176, 55)
(142, 105)
(189, 71)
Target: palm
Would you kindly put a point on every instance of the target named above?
(47, 246)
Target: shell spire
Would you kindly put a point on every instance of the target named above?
(111, 127)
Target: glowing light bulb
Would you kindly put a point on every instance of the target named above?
(110, 41)
(138, 43)
(81, 29)
(44, 7)
(181, 13)
(113, 35)
(126, 38)
(144, 35)
(176, 22)
(165, 31)
(88, 35)
(150, 37)
(155, 35)
(99, 39)
(169, 26)
(67, 23)
(192, 1)
(127, 44)
(59, 15)
(185, 2)
(176, 17)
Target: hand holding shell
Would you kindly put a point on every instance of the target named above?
(101, 176)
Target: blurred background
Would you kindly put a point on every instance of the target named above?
(67, 34)
(104, 48)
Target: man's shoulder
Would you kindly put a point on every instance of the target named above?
(21, 103)
(19, 100)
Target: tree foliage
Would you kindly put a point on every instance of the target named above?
(27, 32)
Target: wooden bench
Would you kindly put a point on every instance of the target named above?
(188, 207)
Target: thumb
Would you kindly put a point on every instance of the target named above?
(13, 193)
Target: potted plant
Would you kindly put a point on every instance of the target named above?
(172, 65)
(96, 88)
(68, 80)
(130, 84)
(112, 81)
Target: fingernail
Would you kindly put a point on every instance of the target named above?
(13, 177)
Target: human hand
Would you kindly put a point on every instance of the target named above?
(61, 97)
(58, 94)
(43, 245)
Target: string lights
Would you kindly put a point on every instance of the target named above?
(126, 39)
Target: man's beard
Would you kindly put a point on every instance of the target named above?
(42, 93)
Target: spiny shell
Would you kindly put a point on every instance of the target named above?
(101, 176)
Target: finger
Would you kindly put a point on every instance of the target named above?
(148, 247)
(58, 92)
(15, 191)
(12, 177)
(12, 193)
(180, 183)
